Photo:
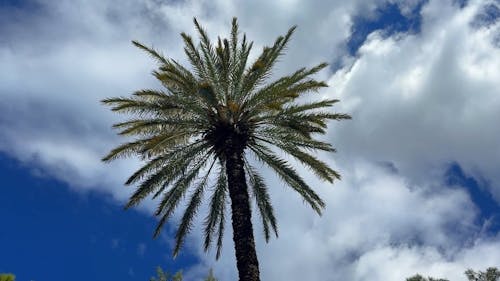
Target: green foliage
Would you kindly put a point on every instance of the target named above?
(419, 277)
(165, 276)
(491, 274)
(7, 277)
(210, 276)
(222, 103)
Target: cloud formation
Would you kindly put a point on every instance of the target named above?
(424, 101)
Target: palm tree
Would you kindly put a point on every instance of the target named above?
(208, 119)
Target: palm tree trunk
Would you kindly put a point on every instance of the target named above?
(244, 244)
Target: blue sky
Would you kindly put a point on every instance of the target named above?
(387, 17)
(420, 160)
(53, 233)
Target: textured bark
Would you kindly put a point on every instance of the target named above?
(244, 244)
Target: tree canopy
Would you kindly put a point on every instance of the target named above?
(491, 274)
(165, 276)
(7, 277)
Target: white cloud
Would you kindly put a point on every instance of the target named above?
(419, 102)
(398, 263)
(374, 212)
(426, 100)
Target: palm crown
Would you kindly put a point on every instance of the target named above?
(218, 108)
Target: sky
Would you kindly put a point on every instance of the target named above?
(420, 160)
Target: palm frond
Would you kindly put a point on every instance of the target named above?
(292, 109)
(141, 107)
(289, 176)
(126, 150)
(262, 66)
(190, 212)
(321, 169)
(210, 58)
(151, 51)
(283, 88)
(148, 127)
(180, 153)
(162, 143)
(274, 135)
(238, 70)
(234, 38)
(220, 232)
(193, 55)
(175, 165)
(297, 125)
(216, 209)
(172, 197)
(263, 201)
